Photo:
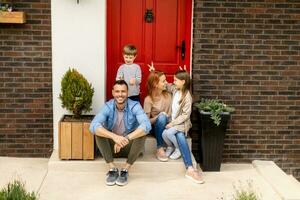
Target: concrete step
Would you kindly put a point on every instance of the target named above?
(145, 163)
(150, 144)
(294, 180)
(280, 181)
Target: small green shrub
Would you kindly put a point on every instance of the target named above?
(248, 193)
(76, 93)
(243, 192)
(16, 191)
(215, 107)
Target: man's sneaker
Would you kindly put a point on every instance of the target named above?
(195, 176)
(169, 151)
(123, 178)
(112, 176)
(176, 154)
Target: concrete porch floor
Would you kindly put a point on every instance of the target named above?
(55, 180)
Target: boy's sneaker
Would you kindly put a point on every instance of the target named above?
(169, 151)
(112, 176)
(176, 154)
(195, 176)
(123, 178)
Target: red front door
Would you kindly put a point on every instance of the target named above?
(163, 38)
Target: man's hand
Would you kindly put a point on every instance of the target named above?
(117, 148)
(132, 81)
(120, 140)
(168, 125)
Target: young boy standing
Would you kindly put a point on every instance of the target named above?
(130, 72)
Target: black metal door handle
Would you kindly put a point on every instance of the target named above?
(183, 49)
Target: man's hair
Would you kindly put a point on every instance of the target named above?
(120, 82)
(130, 49)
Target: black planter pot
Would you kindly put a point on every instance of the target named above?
(212, 141)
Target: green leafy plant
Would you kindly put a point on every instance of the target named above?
(5, 7)
(242, 192)
(76, 93)
(16, 191)
(215, 107)
(248, 193)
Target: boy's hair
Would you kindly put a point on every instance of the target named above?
(129, 49)
(152, 81)
(183, 75)
(120, 82)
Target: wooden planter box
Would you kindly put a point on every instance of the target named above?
(12, 17)
(75, 139)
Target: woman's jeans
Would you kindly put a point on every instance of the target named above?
(158, 128)
(184, 149)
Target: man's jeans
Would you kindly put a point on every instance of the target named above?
(158, 128)
(184, 149)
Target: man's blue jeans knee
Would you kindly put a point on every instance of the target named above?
(159, 127)
(184, 149)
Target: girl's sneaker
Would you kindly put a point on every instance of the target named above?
(195, 176)
(176, 154)
(169, 151)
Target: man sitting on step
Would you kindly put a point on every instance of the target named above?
(120, 128)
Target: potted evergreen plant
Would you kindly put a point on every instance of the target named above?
(75, 140)
(214, 118)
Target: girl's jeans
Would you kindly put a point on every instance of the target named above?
(184, 149)
(169, 137)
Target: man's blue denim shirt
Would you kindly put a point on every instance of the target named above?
(134, 117)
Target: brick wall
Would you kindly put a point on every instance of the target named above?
(26, 125)
(247, 53)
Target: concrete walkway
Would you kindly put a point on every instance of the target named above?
(60, 182)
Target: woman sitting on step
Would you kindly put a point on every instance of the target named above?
(157, 106)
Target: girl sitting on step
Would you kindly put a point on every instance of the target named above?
(176, 131)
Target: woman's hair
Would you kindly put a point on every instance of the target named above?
(184, 76)
(152, 82)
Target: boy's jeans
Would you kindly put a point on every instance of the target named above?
(159, 127)
(184, 149)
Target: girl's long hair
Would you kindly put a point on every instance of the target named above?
(183, 75)
(152, 82)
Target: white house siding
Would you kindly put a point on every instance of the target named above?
(78, 41)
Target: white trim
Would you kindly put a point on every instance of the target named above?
(78, 41)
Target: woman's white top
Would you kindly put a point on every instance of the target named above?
(175, 103)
